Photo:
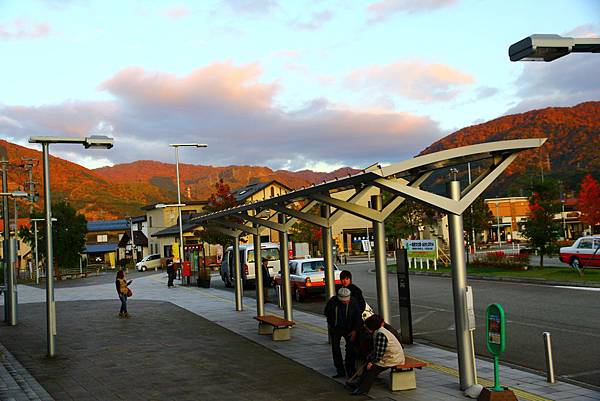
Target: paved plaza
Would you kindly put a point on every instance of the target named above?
(189, 343)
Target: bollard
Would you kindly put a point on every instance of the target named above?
(549, 363)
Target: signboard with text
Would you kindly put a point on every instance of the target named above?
(421, 249)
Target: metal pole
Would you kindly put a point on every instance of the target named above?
(260, 300)
(285, 269)
(37, 264)
(239, 305)
(472, 217)
(369, 247)
(328, 254)
(562, 201)
(133, 248)
(549, 362)
(50, 307)
(5, 252)
(383, 294)
(498, 224)
(181, 255)
(459, 284)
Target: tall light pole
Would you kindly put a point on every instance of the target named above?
(177, 146)
(10, 281)
(88, 142)
(550, 47)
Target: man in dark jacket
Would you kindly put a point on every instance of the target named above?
(343, 320)
(355, 292)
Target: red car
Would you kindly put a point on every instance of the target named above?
(585, 252)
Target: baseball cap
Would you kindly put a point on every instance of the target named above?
(343, 294)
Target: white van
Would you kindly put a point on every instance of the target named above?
(269, 251)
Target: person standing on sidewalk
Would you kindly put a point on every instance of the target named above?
(355, 292)
(387, 353)
(343, 321)
(122, 290)
(170, 274)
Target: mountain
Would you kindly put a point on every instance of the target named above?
(570, 152)
(120, 190)
(112, 192)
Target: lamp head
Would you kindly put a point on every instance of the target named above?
(98, 142)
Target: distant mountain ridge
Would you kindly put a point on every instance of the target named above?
(113, 192)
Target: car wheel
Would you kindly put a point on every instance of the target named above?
(227, 281)
(298, 295)
(575, 263)
(143, 268)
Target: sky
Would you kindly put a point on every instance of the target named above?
(285, 84)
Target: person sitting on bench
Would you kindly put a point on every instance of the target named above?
(387, 353)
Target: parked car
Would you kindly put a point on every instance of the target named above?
(307, 277)
(152, 261)
(268, 250)
(584, 252)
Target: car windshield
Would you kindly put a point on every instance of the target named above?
(314, 266)
(268, 253)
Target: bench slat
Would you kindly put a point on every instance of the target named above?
(410, 363)
(274, 321)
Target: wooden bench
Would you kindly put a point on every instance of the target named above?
(402, 377)
(279, 328)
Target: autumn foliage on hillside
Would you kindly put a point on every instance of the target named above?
(573, 139)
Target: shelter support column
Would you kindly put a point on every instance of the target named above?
(285, 269)
(328, 253)
(381, 275)
(260, 300)
(239, 291)
(466, 367)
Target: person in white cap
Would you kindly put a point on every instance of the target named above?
(343, 320)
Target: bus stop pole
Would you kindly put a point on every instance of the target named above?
(466, 369)
(381, 276)
(328, 253)
(260, 300)
(285, 269)
(239, 305)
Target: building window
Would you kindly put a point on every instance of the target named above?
(102, 238)
(272, 192)
(150, 221)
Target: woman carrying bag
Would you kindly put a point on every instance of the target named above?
(124, 292)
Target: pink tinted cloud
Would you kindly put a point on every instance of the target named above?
(383, 9)
(177, 12)
(227, 107)
(414, 79)
(21, 29)
(216, 84)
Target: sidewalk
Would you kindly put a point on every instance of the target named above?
(173, 348)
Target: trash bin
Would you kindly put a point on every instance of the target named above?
(187, 272)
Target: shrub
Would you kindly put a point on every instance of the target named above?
(502, 260)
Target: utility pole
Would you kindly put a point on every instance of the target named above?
(28, 163)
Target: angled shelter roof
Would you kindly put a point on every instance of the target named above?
(403, 179)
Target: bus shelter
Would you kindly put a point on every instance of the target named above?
(403, 180)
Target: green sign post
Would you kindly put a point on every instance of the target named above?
(496, 338)
(495, 325)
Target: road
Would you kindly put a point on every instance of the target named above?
(572, 316)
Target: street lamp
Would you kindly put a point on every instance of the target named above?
(550, 47)
(9, 271)
(94, 141)
(177, 146)
(35, 241)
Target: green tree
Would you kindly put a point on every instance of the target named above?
(68, 235)
(540, 228)
(220, 199)
(405, 221)
(476, 218)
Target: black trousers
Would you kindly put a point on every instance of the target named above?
(171, 278)
(345, 367)
(368, 378)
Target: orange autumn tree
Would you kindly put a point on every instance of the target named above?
(588, 201)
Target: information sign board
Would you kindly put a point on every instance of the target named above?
(423, 249)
